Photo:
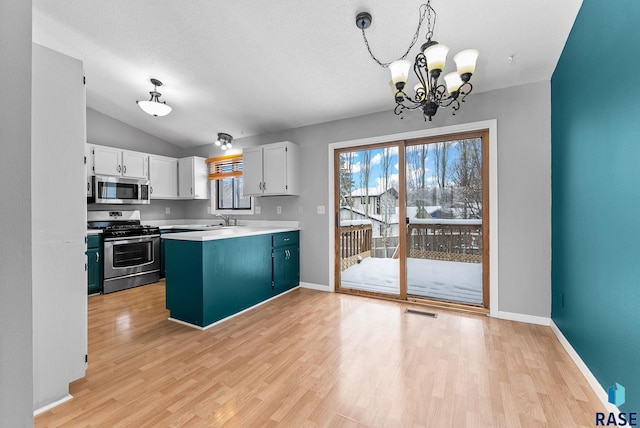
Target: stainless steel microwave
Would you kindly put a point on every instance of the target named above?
(119, 190)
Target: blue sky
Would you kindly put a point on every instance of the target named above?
(375, 175)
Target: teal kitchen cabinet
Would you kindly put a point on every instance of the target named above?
(162, 246)
(286, 261)
(209, 280)
(94, 264)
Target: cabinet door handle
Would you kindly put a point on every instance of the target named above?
(151, 188)
(124, 169)
(97, 257)
(119, 169)
(260, 185)
(264, 186)
(191, 190)
(88, 187)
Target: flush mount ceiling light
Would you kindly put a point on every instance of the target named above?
(428, 65)
(224, 141)
(154, 106)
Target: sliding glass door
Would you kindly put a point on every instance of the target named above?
(368, 206)
(445, 212)
(412, 219)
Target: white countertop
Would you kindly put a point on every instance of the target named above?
(227, 232)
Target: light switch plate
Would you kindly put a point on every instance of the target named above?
(258, 210)
(278, 209)
(320, 209)
(167, 210)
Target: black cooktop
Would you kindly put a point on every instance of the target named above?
(125, 229)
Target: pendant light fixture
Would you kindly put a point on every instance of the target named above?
(224, 141)
(429, 94)
(154, 106)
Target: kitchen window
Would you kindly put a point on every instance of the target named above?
(229, 195)
(225, 173)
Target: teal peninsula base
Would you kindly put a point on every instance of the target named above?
(212, 276)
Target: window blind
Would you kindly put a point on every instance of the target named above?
(225, 167)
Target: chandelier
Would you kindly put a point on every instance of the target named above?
(224, 141)
(429, 93)
(154, 106)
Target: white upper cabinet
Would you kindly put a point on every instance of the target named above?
(252, 171)
(135, 165)
(107, 161)
(193, 178)
(270, 170)
(120, 163)
(163, 177)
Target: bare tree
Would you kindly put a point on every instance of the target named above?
(384, 208)
(467, 176)
(417, 177)
(346, 181)
(365, 173)
(441, 158)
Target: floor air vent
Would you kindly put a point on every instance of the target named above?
(426, 314)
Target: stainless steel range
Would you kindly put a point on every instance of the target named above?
(131, 250)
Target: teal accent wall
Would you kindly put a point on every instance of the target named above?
(595, 128)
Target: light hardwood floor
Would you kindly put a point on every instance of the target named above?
(311, 358)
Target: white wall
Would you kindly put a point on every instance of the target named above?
(107, 131)
(16, 352)
(524, 184)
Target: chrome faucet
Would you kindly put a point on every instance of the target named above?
(226, 218)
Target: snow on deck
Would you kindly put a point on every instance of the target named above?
(437, 279)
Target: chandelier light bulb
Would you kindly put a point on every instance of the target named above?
(453, 82)
(400, 72)
(436, 56)
(466, 61)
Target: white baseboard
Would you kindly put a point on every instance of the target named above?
(591, 379)
(530, 319)
(231, 316)
(52, 405)
(312, 286)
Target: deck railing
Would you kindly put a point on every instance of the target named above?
(355, 243)
(451, 240)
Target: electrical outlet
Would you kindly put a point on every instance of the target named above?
(300, 210)
(208, 210)
(258, 210)
(167, 210)
(278, 209)
(320, 209)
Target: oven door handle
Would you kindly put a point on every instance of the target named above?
(117, 240)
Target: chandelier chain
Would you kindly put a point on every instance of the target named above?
(425, 10)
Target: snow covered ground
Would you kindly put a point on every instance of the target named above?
(451, 281)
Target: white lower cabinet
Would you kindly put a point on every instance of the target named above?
(163, 177)
(193, 178)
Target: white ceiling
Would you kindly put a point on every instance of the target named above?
(251, 67)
